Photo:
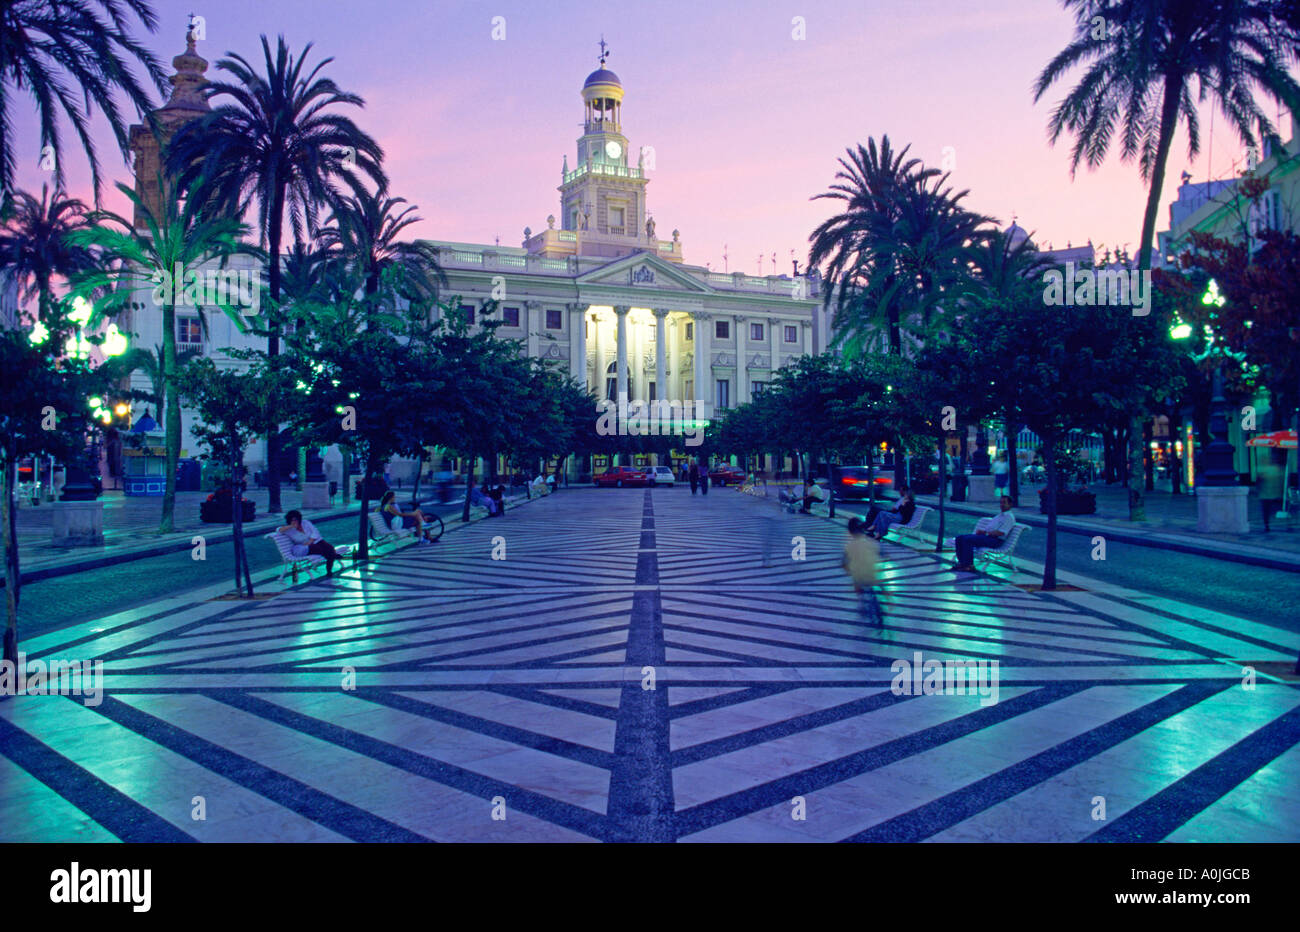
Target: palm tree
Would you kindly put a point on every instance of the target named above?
(35, 248)
(182, 237)
(150, 362)
(44, 44)
(864, 282)
(278, 142)
(1141, 65)
(363, 232)
(1142, 59)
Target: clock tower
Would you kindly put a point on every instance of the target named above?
(603, 194)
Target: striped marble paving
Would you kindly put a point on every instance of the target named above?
(440, 694)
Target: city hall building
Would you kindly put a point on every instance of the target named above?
(598, 290)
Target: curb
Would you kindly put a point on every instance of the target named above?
(1178, 544)
(178, 545)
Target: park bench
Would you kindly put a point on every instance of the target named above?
(383, 533)
(912, 527)
(292, 564)
(1003, 554)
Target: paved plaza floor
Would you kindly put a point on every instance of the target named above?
(440, 694)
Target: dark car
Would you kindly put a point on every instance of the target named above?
(727, 475)
(853, 483)
(620, 476)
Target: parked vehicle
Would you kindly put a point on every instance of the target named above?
(621, 476)
(661, 475)
(727, 475)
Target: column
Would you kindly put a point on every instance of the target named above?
(600, 357)
(577, 343)
(532, 319)
(661, 357)
(742, 371)
(703, 369)
(620, 313)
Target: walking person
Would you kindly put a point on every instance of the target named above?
(306, 540)
(1269, 483)
(704, 480)
(1001, 473)
(861, 556)
(693, 476)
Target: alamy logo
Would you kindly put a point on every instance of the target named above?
(53, 678)
(945, 677)
(240, 288)
(650, 419)
(80, 884)
(1111, 287)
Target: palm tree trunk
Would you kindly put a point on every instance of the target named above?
(363, 538)
(1168, 123)
(346, 456)
(275, 227)
(1136, 480)
(171, 420)
(1013, 461)
(12, 577)
(1049, 563)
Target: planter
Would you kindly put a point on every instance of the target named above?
(1069, 503)
(216, 509)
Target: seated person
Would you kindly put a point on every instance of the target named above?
(812, 493)
(902, 511)
(480, 499)
(306, 540)
(498, 496)
(392, 515)
(991, 536)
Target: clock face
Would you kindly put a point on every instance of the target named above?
(613, 149)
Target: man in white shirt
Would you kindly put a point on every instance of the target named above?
(991, 536)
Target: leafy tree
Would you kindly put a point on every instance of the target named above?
(43, 412)
(235, 407)
(43, 44)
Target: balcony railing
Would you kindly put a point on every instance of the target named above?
(603, 168)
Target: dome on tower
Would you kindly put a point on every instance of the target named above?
(602, 76)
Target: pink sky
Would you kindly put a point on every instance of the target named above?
(746, 122)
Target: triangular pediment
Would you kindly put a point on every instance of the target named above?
(644, 270)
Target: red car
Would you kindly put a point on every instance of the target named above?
(620, 476)
(724, 475)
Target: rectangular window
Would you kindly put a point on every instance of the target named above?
(792, 334)
(756, 331)
(757, 388)
(511, 316)
(690, 390)
(722, 329)
(188, 331)
(653, 395)
(553, 320)
(690, 330)
(724, 393)
(468, 311)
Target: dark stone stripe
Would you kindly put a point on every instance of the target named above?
(110, 807)
(791, 726)
(331, 812)
(1158, 815)
(955, 807)
(781, 790)
(535, 804)
(641, 781)
(709, 703)
(540, 696)
(473, 723)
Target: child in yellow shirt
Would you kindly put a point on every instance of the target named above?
(861, 555)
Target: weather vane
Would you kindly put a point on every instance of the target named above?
(604, 51)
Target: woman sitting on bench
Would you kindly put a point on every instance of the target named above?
(902, 511)
(410, 519)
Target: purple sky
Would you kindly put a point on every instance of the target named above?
(746, 122)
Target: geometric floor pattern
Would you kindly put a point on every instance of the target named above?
(656, 666)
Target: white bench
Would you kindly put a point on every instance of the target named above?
(1003, 554)
(292, 564)
(384, 533)
(913, 526)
